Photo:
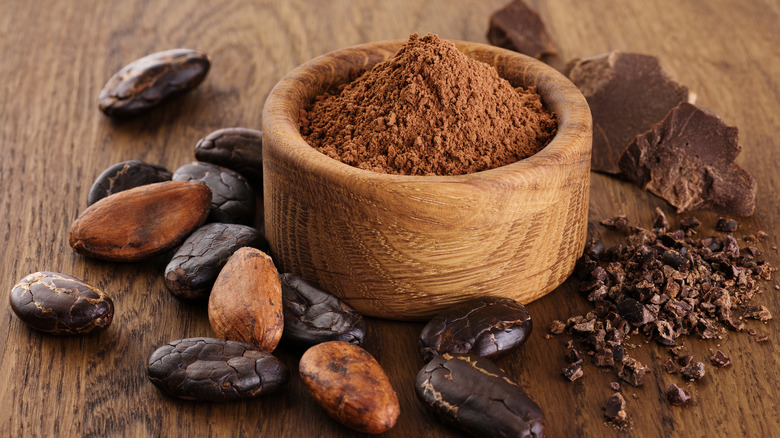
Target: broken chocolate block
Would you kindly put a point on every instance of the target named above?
(676, 395)
(627, 93)
(633, 371)
(518, 27)
(688, 160)
(694, 371)
(616, 409)
(720, 359)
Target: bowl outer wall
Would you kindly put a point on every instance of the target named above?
(406, 247)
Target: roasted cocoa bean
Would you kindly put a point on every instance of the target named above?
(195, 265)
(350, 385)
(126, 175)
(61, 305)
(142, 222)
(477, 396)
(246, 301)
(232, 201)
(216, 370)
(150, 80)
(488, 327)
(239, 149)
(312, 315)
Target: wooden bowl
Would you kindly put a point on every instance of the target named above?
(406, 247)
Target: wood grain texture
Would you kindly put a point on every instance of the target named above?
(406, 247)
(55, 58)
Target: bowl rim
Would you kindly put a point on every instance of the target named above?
(558, 94)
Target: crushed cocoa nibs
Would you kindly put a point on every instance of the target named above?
(719, 359)
(726, 225)
(615, 386)
(670, 366)
(615, 410)
(557, 327)
(615, 223)
(677, 396)
(694, 371)
(763, 338)
(573, 371)
(633, 371)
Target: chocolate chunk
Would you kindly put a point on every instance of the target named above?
(720, 359)
(726, 225)
(688, 160)
(633, 371)
(676, 395)
(573, 371)
(694, 371)
(615, 410)
(518, 27)
(627, 94)
(126, 175)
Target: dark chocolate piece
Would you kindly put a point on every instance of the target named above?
(627, 93)
(126, 175)
(239, 149)
(194, 267)
(676, 395)
(488, 327)
(518, 27)
(312, 315)
(688, 160)
(477, 396)
(232, 201)
(215, 370)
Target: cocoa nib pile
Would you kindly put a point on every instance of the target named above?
(428, 110)
(666, 284)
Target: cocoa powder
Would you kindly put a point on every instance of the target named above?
(429, 110)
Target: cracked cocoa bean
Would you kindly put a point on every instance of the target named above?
(474, 394)
(148, 81)
(350, 385)
(232, 201)
(126, 175)
(239, 149)
(215, 370)
(312, 316)
(61, 305)
(195, 265)
(488, 327)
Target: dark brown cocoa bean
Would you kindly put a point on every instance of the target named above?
(312, 316)
(232, 201)
(126, 175)
(477, 396)
(238, 149)
(217, 370)
(195, 265)
(150, 80)
(61, 305)
(488, 327)
(142, 222)
(350, 385)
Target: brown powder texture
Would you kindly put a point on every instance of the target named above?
(429, 110)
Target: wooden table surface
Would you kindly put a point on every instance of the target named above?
(56, 56)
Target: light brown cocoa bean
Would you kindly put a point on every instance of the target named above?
(350, 385)
(141, 222)
(246, 301)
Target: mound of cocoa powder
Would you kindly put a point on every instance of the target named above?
(429, 110)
